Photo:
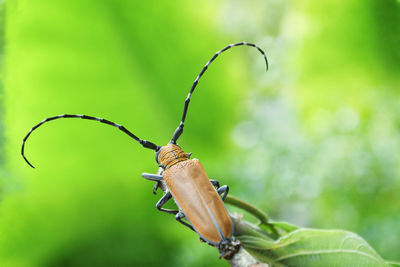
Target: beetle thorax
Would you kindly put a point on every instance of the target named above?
(170, 155)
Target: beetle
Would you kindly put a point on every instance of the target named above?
(199, 199)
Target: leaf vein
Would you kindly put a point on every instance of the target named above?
(305, 253)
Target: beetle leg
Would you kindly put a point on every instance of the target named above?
(223, 189)
(156, 186)
(220, 189)
(179, 216)
(164, 200)
(152, 177)
(214, 183)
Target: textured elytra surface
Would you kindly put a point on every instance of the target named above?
(314, 248)
(198, 199)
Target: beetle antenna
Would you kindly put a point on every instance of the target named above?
(144, 143)
(179, 130)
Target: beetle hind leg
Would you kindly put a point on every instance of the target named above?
(179, 216)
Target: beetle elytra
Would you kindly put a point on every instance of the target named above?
(199, 199)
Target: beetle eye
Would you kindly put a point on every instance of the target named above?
(158, 153)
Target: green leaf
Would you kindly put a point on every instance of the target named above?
(311, 247)
(285, 227)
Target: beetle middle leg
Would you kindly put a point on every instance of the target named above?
(223, 189)
(179, 214)
(220, 189)
(215, 183)
(162, 202)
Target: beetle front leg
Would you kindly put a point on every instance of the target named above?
(162, 202)
(153, 177)
(156, 186)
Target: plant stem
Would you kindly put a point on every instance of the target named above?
(259, 214)
(237, 202)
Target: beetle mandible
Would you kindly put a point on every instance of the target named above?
(199, 199)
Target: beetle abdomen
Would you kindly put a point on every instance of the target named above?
(195, 195)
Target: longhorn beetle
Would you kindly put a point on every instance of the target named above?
(199, 203)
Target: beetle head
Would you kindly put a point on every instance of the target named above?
(169, 155)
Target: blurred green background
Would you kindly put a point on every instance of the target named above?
(314, 141)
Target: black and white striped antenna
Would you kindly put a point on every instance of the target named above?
(179, 130)
(144, 143)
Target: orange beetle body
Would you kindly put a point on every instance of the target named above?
(195, 195)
